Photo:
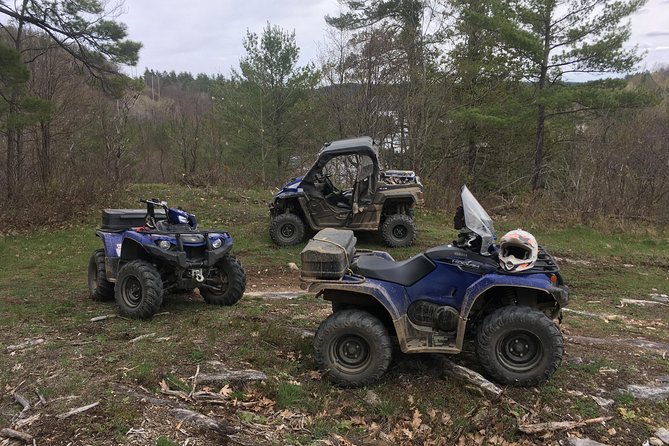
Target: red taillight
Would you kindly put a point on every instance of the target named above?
(553, 278)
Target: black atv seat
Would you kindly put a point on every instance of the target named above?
(406, 272)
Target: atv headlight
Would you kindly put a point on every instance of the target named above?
(164, 244)
(216, 243)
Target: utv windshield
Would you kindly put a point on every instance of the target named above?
(477, 220)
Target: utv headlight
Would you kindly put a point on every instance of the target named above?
(164, 244)
(216, 243)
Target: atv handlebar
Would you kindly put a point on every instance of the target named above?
(155, 202)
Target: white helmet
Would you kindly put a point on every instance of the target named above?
(518, 251)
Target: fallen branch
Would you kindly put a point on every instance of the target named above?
(559, 425)
(144, 397)
(472, 377)
(197, 372)
(62, 416)
(26, 344)
(210, 397)
(102, 318)
(202, 421)
(224, 376)
(27, 421)
(42, 400)
(16, 435)
(165, 390)
(23, 401)
(139, 338)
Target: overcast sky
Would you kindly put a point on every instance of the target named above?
(205, 36)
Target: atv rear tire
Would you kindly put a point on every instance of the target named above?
(139, 290)
(230, 280)
(286, 229)
(398, 231)
(353, 347)
(519, 346)
(99, 288)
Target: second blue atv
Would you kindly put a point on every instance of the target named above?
(505, 296)
(148, 253)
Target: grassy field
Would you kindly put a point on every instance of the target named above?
(43, 295)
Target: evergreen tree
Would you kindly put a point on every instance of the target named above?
(553, 38)
(262, 99)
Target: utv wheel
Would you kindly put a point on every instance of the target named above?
(286, 229)
(353, 347)
(99, 288)
(227, 284)
(139, 290)
(519, 346)
(398, 231)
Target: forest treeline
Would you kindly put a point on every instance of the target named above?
(485, 92)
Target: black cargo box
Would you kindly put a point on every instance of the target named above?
(328, 254)
(121, 219)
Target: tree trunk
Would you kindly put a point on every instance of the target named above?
(14, 133)
(537, 177)
(12, 175)
(45, 155)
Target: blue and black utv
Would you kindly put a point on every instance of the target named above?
(435, 300)
(148, 253)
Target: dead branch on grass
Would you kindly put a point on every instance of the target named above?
(23, 401)
(102, 318)
(559, 425)
(139, 338)
(197, 372)
(16, 435)
(68, 414)
(24, 345)
(473, 377)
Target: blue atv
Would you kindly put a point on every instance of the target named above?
(433, 302)
(152, 252)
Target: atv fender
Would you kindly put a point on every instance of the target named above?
(539, 282)
(376, 296)
(356, 293)
(112, 242)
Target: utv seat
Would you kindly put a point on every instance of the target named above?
(406, 272)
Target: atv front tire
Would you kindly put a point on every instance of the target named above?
(228, 284)
(519, 346)
(286, 229)
(353, 347)
(139, 290)
(99, 288)
(398, 231)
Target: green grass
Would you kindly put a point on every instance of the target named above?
(43, 295)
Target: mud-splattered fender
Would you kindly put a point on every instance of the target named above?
(391, 296)
(539, 282)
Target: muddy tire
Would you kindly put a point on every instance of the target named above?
(139, 290)
(398, 231)
(229, 282)
(353, 348)
(286, 229)
(99, 288)
(519, 346)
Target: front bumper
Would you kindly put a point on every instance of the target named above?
(180, 258)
